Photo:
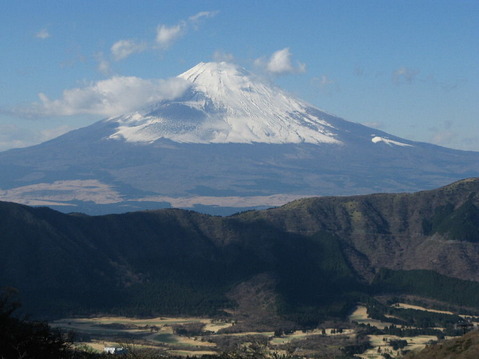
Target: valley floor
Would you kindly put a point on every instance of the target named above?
(199, 336)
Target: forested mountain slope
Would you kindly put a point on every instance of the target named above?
(308, 260)
(434, 230)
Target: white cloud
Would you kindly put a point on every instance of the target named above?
(124, 48)
(280, 63)
(110, 97)
(195, 19)
(42, 34)
(404, 75)
(202, 14)
(166, 35)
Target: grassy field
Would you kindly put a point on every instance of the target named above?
(300, 335)
(381, 345)
(417, 307)
(190, 336)
(360, 316)
(156, 333)
(159, 334)
(472, 318)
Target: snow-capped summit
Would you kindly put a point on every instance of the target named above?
(227, 104)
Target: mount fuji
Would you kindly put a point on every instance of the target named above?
(231, 141)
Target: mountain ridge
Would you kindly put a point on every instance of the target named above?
(174, 261)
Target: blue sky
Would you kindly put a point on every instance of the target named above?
(410, 68)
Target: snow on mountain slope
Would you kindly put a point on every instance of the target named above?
(264, 148)
(378, 139)
(227, 104)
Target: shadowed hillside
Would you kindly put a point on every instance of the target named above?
(309, 260)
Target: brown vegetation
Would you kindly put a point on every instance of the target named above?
(465, 347)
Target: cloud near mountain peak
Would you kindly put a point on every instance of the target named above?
(114, 96)
(280, 63)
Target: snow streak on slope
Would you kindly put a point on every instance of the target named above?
(378, 139)
(227, 104)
